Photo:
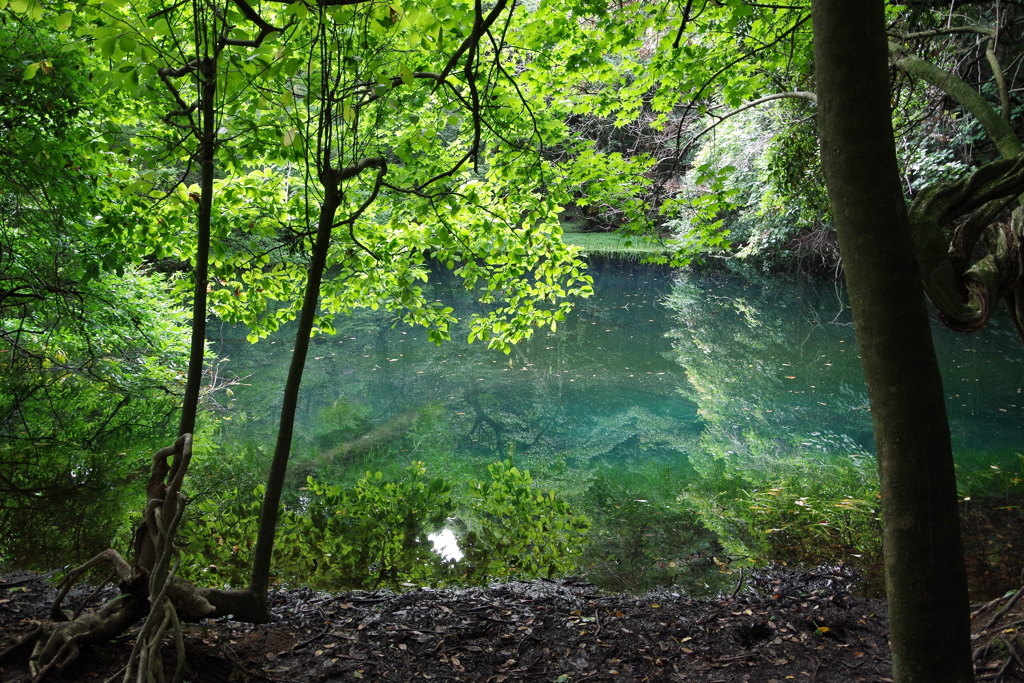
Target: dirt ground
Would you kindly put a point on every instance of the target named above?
(779, 625)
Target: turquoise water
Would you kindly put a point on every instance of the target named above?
(642, 366)
(604, 385)
(660, 389)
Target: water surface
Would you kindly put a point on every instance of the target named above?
(659, 384)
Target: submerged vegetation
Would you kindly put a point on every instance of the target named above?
(649, 490)
(377, 532)
(460, 169)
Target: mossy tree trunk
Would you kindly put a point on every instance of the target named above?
(925, 577)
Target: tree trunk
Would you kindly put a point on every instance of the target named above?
(925, 577)
(201, 274)
(260, 579)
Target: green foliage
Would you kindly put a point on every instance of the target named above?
(643, 537)
(218, 534)
(87, 390)
(634, 82)
(567, 103)
(519, 531)
(371, 535)
(792, 176)
(800, 511)
(698, 220)
(89, 360)
(757, 181)
(374, 533)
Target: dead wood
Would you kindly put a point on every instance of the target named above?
(998, 643)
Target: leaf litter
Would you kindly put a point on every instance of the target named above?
(780, 624)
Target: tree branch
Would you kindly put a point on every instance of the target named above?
(480, 26)
(265, 29)
(796, 94)
(1001, 133)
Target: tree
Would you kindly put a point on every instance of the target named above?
(966, 229)
(454, 185)
(886, 254)
(363, 146)
(926, 582)
(88, 370)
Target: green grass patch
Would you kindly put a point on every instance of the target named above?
(614, 244)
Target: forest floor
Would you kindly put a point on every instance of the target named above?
(779, 624)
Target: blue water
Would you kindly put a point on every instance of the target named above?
(639, 368)
(659, 391)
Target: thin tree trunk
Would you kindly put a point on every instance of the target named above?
(201, 274)
(259, 581)
(925, 577)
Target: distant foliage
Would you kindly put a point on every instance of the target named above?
(755, 189)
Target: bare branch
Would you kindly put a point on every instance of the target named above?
(796, 94)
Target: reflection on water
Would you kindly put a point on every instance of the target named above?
(446, 545)
(678, 391)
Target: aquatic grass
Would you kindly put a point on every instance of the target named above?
(991, 476)
(614, 244)
(795, 510)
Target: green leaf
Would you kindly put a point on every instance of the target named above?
(406, 73)
(34, 10)
(63, 22)
(108, 46)
(30, 71)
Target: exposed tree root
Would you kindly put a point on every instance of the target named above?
(998, 645)
(148, 588)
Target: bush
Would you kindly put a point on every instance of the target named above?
(520, 531)
(376, 533)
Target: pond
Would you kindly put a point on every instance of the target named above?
(700, 421)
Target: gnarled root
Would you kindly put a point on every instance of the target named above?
(57, 643)
(148, 587)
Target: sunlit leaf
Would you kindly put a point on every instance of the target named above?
(63, 22)
(406, 74)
